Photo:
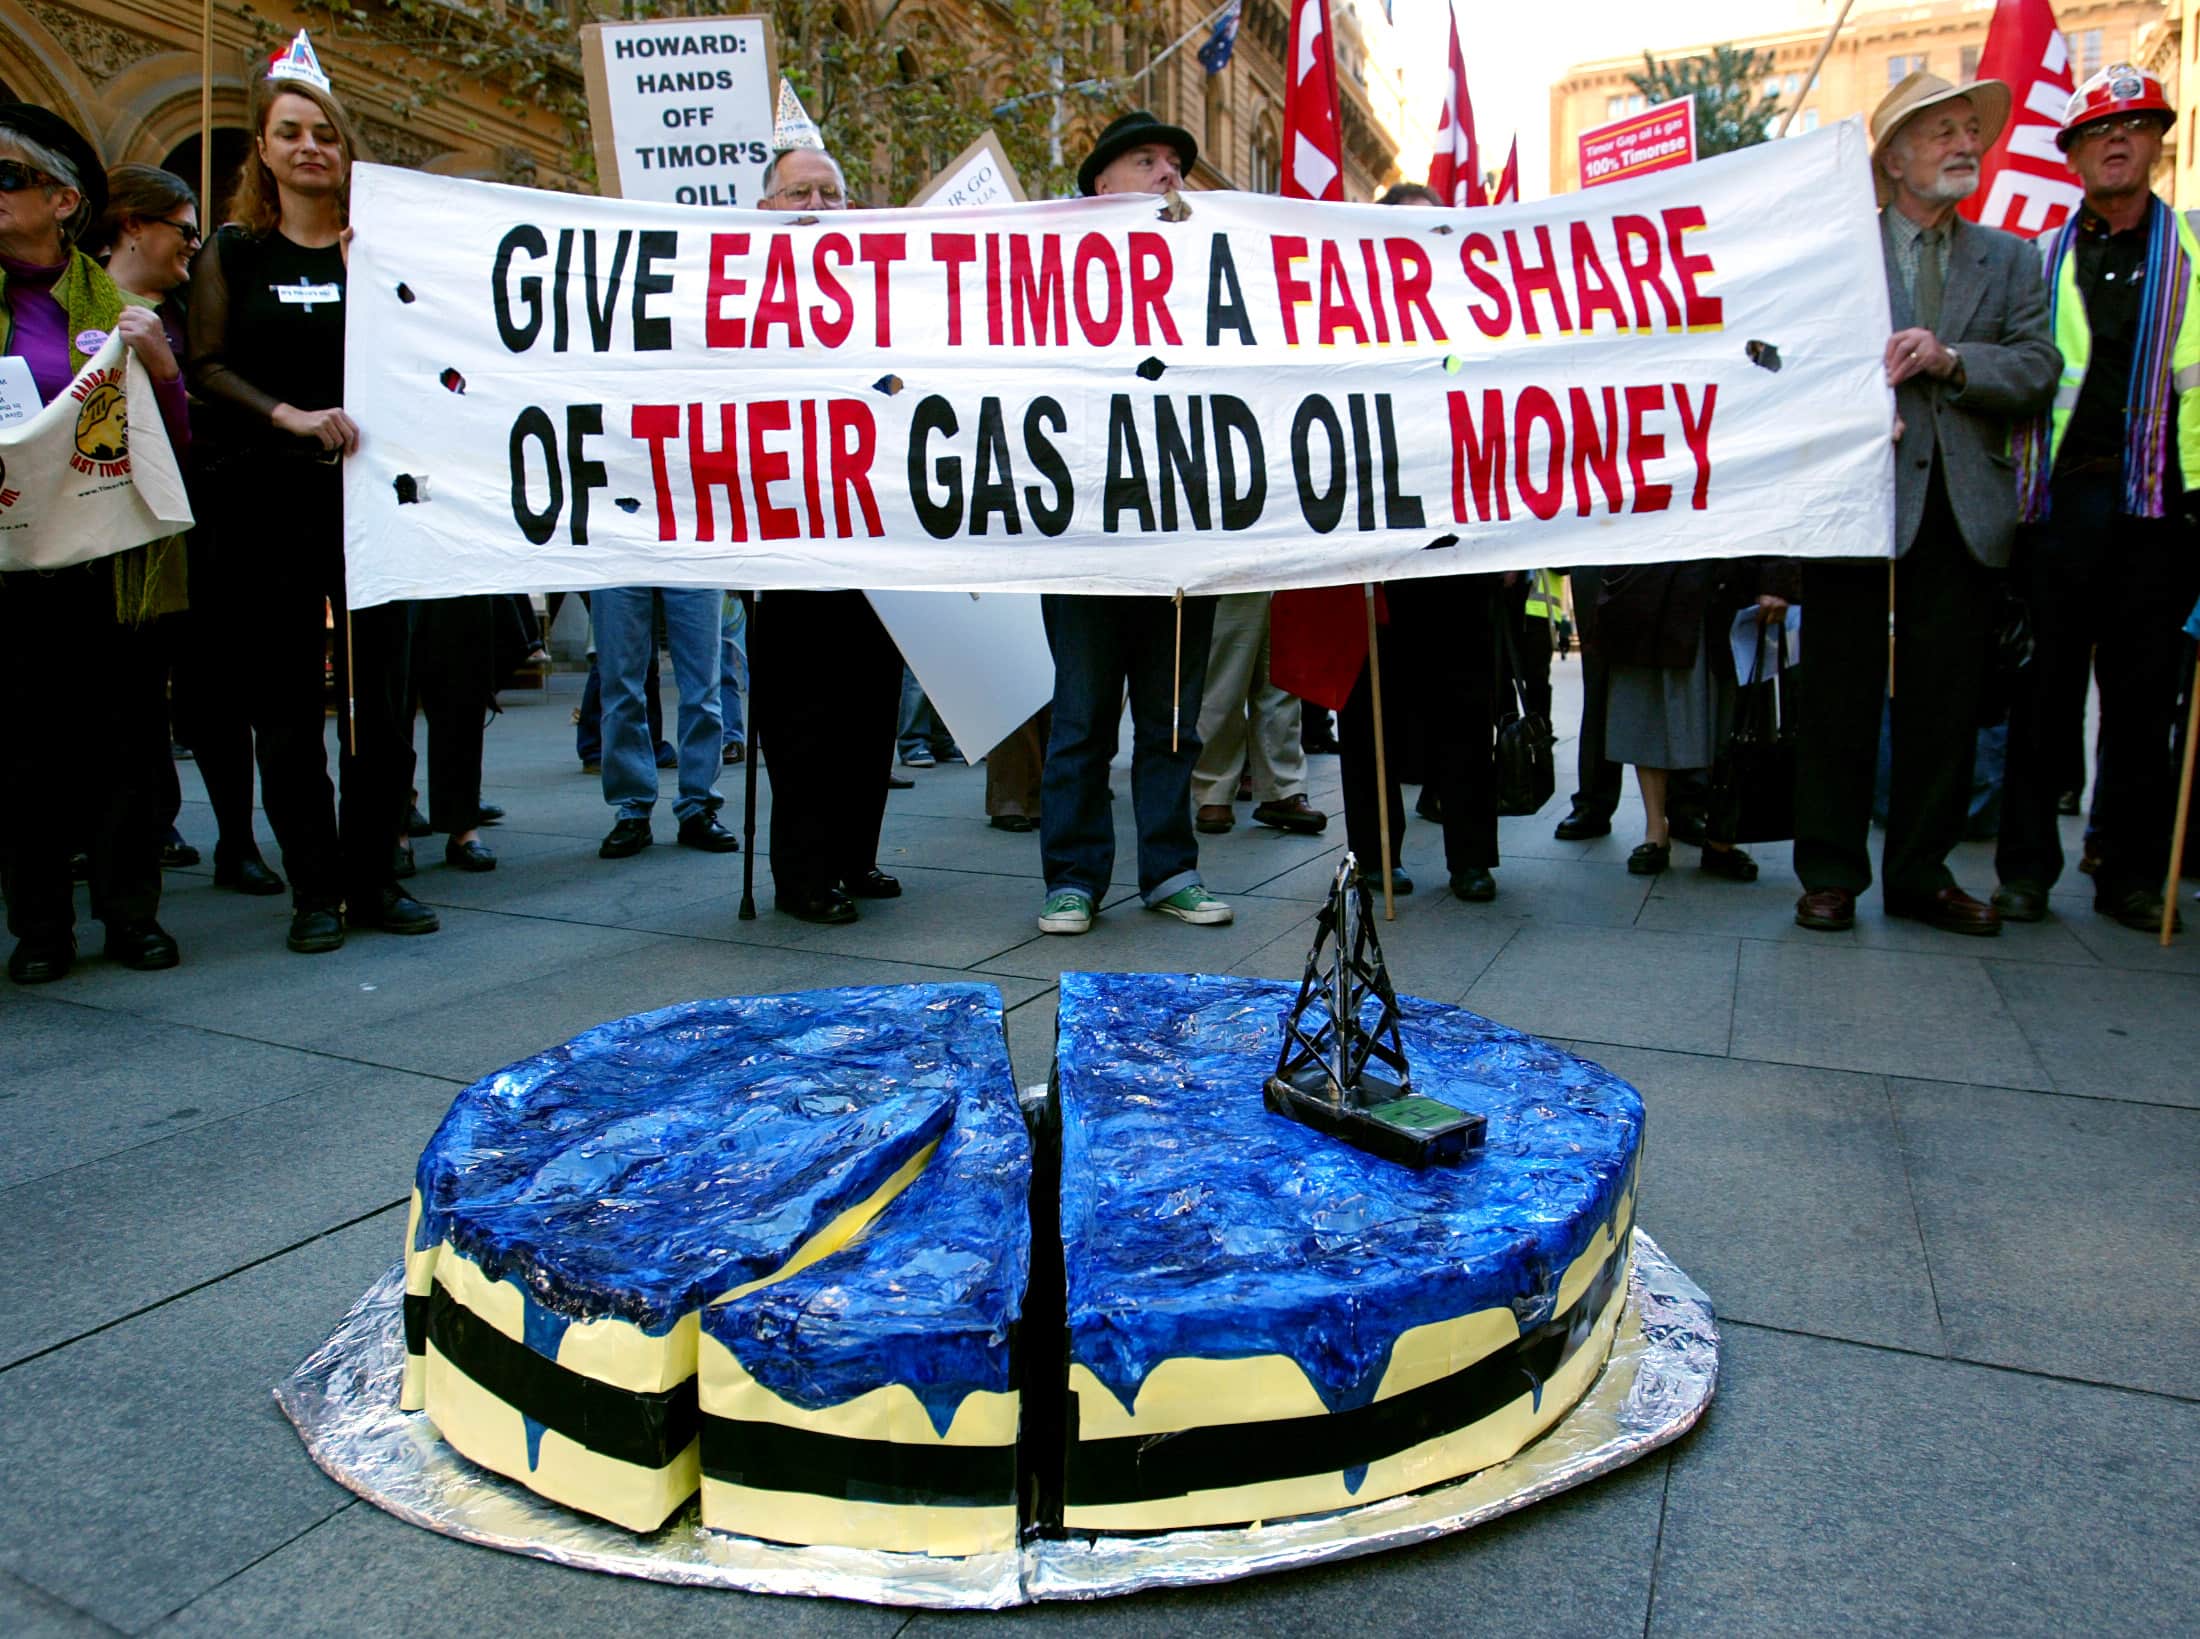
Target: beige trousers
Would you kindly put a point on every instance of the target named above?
(1244, 719)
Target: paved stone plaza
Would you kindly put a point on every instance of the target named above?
(1941, 1190)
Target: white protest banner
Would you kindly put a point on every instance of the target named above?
(983, 659)
(1226, 393)
(681, 109)
(90, 474)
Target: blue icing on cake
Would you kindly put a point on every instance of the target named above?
(654, 1163)
(1197, 1223)
(927, 1294)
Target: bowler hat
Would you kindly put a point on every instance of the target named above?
(50, 131)
(1915, 93)
(1134, 130)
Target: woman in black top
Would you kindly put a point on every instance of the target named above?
(267, 359)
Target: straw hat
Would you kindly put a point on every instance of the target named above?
(1918, 92)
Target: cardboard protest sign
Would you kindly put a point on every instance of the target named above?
(90, 474)
(980, 175)
(1657, 139)
(1218, 393)
(681, 108)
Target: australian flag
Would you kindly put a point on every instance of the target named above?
(1215, 54)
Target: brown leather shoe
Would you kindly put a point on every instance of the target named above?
(1951, 910)
(1214, 817)
(1826, 910)
(1294, 814)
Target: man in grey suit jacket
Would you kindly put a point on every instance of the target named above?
(1970, 355)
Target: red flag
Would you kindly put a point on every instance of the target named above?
(1508, 180)
(2024, 185)
(1455, 173)
(1313, 151)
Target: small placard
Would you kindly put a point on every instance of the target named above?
(18, 392)
(979, 175)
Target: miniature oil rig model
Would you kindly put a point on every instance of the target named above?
(1344, 1076)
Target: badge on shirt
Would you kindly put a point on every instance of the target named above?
(307, 296)
(89, 342)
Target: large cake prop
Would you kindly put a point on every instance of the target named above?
(746, 1293)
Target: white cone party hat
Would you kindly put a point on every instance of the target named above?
(296, 61)
(792, 126)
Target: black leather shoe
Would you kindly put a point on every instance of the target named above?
(416, 823)
(873, 884)
(894, 782)
(393, 911)
(313, 929)
(488, 813)
(468, 856)
(627, 838)
(2137, 908)
(41, 961)
(145, 946)
(1580, 827)
(828, 905)
(1400, 883)
(249, 875)
(1475, 884)
(703, 831)
(1013, 822)
(402, 863)
(1429, 806)
(2020, 902)
(177, 854)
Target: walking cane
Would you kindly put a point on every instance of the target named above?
(2184, 802)
(748, 773)
(1382, 773)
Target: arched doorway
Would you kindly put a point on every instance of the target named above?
(231, 146)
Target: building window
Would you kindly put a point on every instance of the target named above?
(1969, 59)
(1264, 167)
(1807, 120)
(1621, 107)
(2088, 54)
(1901, 68)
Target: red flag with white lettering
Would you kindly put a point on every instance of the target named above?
(1508, 180)
(1455, 173)
(2024, 185)
(1313, 150)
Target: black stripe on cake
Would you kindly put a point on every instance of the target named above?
(1133, 1468)
(416, 1324)
(629, 1425)
(776, 1457)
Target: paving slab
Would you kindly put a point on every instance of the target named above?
(32, 1613)
(2061, 1231)
(1782, 1191)
(2109, 1034)
(148, 1463)
(1839, 1489)
(1128, 938)
(1527, 1573)
(1437, 947)
(365, 1574)
(1670, 990)
(1882, 1011)
(86, 1246)
(1030, 1027)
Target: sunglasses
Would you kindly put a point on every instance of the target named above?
(2127, 124)
(187, 231)
(15, 176)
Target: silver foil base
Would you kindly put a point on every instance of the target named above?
(343, 1401)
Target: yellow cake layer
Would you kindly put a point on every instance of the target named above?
(1487, 1442)
(890, 1412)
(808, 1520)
(490, 1432)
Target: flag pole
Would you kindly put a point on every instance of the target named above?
(1382, 771)
(1825, 50)
(206, 117)
(747, 912)
(2184, 813)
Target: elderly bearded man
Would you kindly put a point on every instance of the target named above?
(1105, 645)
(826, 689)
(1969, 356)
(2111, 487)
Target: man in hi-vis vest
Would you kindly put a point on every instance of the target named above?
(2110, 484)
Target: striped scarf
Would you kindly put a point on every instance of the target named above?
(2149, 400)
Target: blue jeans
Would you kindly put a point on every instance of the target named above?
(693, 626)
(733, 669)
(1101, 646)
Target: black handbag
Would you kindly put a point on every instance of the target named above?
(1527, 769)
(1753, 781)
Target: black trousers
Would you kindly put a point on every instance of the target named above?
(2108, 595)
(277, 577)
(1437, 652)
(1531, 645)
(80, 695)
(1597, 782)
(452, 670)
(211, 709)
(825, 697)
(1943, 606)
